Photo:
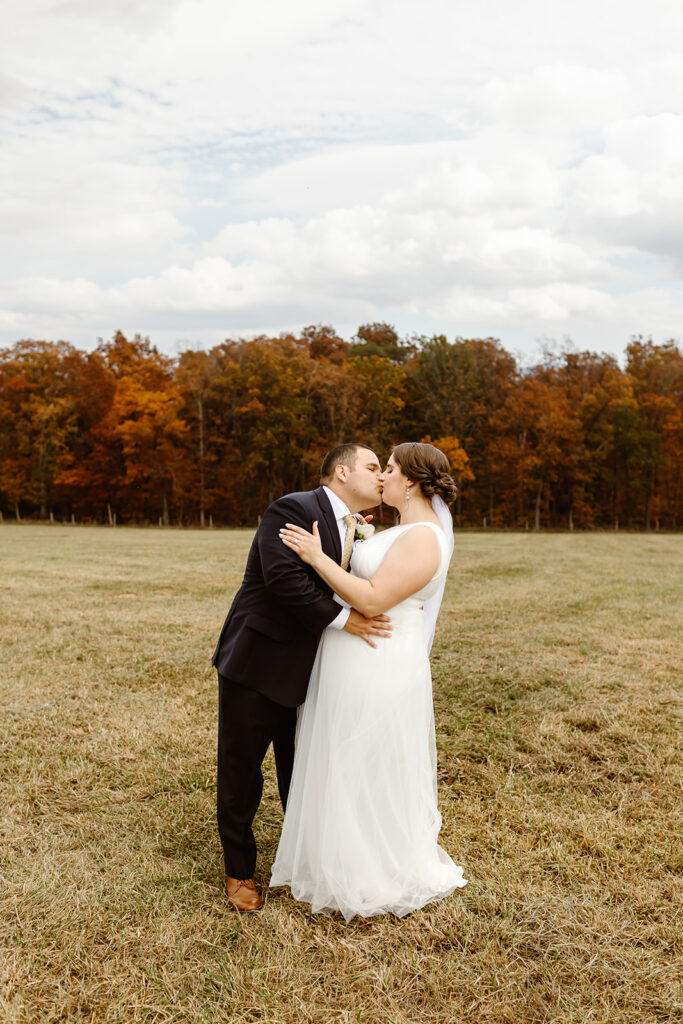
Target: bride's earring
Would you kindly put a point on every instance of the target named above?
(407, 493)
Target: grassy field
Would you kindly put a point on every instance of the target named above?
(555, 669)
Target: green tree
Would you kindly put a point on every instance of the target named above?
(382, 341)
(459, 389)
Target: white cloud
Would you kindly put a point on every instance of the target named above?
(632, 193)
(482, 169)
(558, 99)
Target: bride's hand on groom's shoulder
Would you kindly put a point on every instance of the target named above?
(368, 629)
(306, 545)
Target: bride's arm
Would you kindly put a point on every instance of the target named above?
(409, 564)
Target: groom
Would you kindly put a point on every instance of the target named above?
(268, 643)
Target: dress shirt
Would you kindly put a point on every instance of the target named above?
(339, 510)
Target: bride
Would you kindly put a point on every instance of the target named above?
(362, 822)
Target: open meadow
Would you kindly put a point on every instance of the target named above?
(557, 672)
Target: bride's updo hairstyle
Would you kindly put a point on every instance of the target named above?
(427, 466)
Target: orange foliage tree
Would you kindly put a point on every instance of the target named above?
(37, 420)
(127, 432)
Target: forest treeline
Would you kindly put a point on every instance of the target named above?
(126, 434)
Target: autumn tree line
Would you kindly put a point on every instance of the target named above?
(126, 434)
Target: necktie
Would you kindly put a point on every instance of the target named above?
(350, 522)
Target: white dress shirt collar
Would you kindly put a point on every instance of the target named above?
(338, 507)
(339, 510)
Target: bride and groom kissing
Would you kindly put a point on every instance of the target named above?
(325, 654)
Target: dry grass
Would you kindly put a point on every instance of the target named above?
(555, 682)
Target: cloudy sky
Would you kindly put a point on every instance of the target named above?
(197, 169)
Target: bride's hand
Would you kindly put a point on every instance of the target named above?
(306, 545)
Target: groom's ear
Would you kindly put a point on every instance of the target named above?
(341, 472)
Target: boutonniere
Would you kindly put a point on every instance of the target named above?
(363, 531)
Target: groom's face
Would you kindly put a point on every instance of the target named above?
(363, 482)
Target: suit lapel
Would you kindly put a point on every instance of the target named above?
(329, 534)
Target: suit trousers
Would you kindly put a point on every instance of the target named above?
(248, 723)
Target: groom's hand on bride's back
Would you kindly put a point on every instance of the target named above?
(367, 629)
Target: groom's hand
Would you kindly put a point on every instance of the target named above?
(366, 629)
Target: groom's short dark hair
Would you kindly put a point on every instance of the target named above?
(341, 455)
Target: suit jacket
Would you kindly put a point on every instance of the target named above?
(269, 639)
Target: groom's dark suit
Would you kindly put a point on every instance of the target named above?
(264, 658)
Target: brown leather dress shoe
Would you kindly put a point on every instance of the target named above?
(242, 894)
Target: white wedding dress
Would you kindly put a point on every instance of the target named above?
(362, 822)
